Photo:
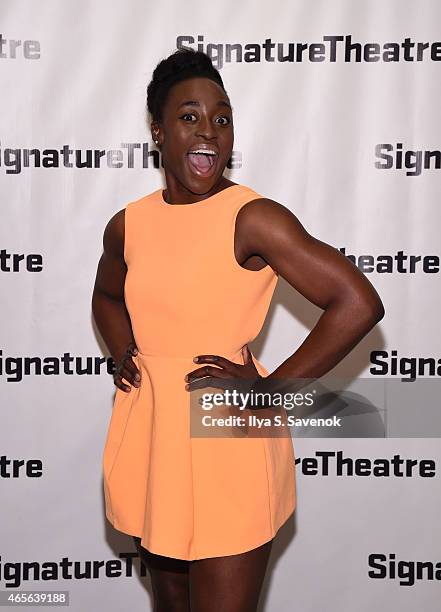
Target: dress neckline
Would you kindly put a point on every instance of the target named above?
(165, 204)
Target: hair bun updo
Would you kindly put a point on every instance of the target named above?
(183, 64)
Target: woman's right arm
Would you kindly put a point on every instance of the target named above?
(108, 305)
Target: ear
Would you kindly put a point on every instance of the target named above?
(156, 132)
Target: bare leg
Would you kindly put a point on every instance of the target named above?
(170, 580)
(229, 584)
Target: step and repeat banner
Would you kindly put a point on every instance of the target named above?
(336, 110)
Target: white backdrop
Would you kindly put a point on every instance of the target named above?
(322, 137)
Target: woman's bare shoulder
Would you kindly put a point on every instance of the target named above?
(261, 215)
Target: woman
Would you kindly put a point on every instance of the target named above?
(168, 294)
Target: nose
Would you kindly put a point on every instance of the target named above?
(206, 128)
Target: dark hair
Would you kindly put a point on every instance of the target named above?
(183, 64)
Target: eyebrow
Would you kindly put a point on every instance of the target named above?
(196, 103)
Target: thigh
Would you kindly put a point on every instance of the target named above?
(170, 580)
(229, 584)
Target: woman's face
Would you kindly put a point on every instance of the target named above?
(197, 116)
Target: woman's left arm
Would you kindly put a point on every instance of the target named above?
(323, 275)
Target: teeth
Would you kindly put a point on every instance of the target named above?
(205, 151)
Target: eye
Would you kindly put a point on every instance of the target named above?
(185, 117)
(224, 120)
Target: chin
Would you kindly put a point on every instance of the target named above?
(202, 184)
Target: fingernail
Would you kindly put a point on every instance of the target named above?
(196, 359)
(137, 377)
(186, 377)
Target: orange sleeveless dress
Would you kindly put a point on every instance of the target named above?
(186, 497)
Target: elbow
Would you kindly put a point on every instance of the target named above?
(93, 305)
(373, 311)
(364, 310)
(94, 299)
(380, 311)
(376, 307)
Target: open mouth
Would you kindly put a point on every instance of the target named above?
(202, 162)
